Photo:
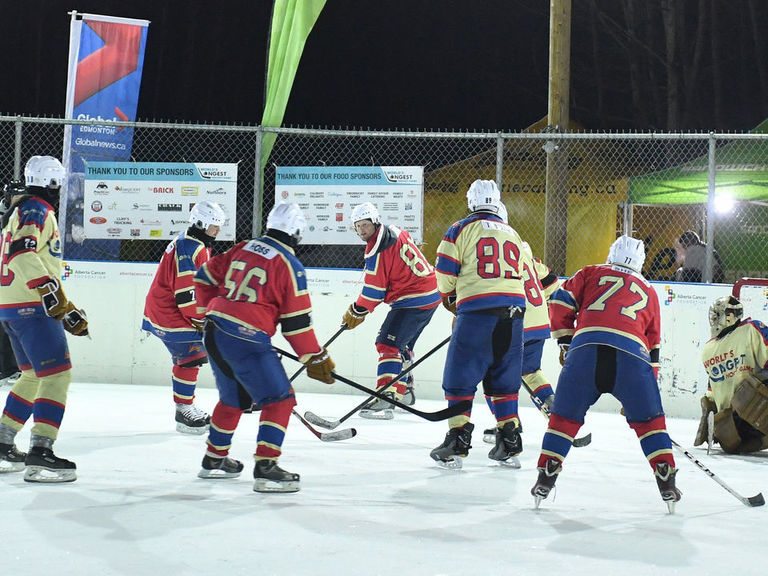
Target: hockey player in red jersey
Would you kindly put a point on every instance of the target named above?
(479, 278)
(171, 313)
(397, 273)
(247, 291)
(607, 319)
(36, 313)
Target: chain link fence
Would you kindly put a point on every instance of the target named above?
(568, 195)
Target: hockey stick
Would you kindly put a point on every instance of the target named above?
(345, 434)
(444, 414)
(756, 500)
(331, 424)
(577, 442)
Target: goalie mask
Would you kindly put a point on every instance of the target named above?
(287, 218)
(724, 313)
(627, 252)
(484, 195)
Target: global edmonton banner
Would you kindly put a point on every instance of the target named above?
(327, 195)
(152, 200)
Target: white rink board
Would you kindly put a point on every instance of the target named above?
(119, 352)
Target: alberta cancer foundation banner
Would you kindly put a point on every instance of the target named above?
(106, 58)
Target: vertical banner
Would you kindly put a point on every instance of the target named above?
(106, 57)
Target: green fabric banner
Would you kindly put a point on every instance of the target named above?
(292, 21)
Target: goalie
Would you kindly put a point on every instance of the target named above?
(736, 361)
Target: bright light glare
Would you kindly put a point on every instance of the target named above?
(724, 203)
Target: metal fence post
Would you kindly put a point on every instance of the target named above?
(709, 219)
(17, 149)
(258, 178)
(500, 162)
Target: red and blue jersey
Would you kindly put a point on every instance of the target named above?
(254, 286)
(608, 305)
(397, 273)
(171, 302)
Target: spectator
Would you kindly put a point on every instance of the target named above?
(692, 257)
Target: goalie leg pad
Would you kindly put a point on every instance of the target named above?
(750, 401)
(726, 433)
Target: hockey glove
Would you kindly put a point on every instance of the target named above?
(53, 299)
(198, 323)
(320, 366)
(449, 302)
(354, 316)
(74, 321)
(563, 352)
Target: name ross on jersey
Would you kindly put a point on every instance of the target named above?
(493, 225)
(261, 249)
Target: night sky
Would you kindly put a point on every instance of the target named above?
(409, 64)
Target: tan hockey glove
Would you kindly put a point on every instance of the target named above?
(354, 316)
(320, 366)
(53, 299)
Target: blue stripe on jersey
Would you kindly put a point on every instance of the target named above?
(374, 293)
(447, 265)
(485, 301)
(297, 268)
(415, 301)
(537, 333)
(176, 335)
(762, 328)
(611, 338)
(564, 297)
(33, 212)
(185, 252)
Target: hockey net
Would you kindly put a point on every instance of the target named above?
(753, 294)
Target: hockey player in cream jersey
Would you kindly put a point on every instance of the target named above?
(736, 361)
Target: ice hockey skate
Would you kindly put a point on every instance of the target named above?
(269, 477)
(44, 466)
(455, 447)
(379, 409)
(546, 480)
(665, 479)
(215, 468)
(11, 460)
(10, 379)
(508, 445)
(191, 420)
(409, 398)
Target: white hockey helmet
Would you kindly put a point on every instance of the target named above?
(503, 213)
(206, 213)
(627, 252)
(287, 218)
(484, 195)
(44, 172)
(365, 211)
(724, 313)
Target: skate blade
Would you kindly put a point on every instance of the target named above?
(193, 430)
(216, 474)
(671, 506)
(453, 464)
(537, 501)
(264, 485)
(47, 475)
(6, 466)
(511, 462)
(386, 414)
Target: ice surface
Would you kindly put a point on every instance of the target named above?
(374, 504)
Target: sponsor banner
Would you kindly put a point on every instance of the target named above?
(327, 195)
(106, 58)
(108, 272)
(152, 200)
(684, 331)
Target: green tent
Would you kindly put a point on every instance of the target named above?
(741, 170)
(662, 200)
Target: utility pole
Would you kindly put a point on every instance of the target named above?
(556, 210)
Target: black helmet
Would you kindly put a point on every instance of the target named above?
(13, 188)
